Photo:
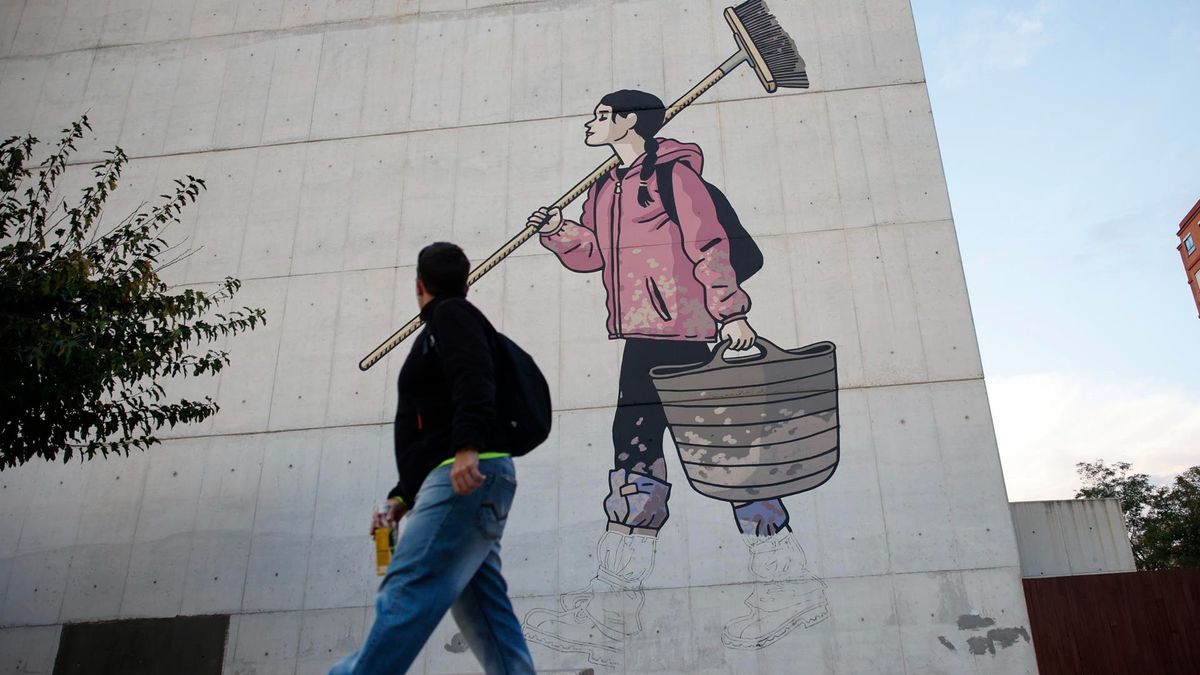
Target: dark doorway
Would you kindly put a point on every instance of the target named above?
(185, 645)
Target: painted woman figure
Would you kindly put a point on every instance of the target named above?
(672, 292)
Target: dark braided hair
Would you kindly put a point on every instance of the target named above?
(651, 114)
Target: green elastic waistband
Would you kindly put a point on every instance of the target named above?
(482, 455)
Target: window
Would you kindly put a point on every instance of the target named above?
(1189, 244)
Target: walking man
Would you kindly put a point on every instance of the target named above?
(455, 489)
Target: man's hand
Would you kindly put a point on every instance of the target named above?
(739, 334)
(464, 473)
(396, 511)
(547, 220)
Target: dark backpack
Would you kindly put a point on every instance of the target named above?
(744, 254)
(523, 411)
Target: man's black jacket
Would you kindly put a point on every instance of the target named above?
(447, 392)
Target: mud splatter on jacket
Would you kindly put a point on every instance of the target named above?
(664, 280)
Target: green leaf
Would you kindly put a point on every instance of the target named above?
(94, 332)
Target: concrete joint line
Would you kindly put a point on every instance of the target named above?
(483, 125)
(383, 423)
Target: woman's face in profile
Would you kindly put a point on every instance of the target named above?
(605, 127)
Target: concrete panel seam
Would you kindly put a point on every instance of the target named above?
(24, 5)
(305, 29)
(529, 120)
(573, 409)
(940, 442)
(737, 584)
(532, 252)
(137, 518)
(870, 422)
(286, 293)
(253, 519)
(312, 525)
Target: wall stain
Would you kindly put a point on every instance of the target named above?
(980, 645)
(986, 643)
(974, 622)
(1007, 637)
(952, 598)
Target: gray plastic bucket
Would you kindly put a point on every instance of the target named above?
(755, 427)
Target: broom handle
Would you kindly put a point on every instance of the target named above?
(581, 187)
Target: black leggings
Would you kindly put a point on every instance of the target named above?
(640, 422)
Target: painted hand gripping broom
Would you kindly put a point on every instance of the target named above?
(762, 43)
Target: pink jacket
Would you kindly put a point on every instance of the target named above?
(664, 280)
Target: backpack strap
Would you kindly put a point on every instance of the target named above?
(666, 189)
(744, 254)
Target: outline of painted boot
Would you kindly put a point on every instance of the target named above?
(597, 618)
(787, 596)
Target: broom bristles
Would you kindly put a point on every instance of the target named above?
(777, 48)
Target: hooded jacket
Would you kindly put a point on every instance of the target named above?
(447, 392)
(663, 279)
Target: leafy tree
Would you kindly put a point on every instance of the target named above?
(88, 330)
(1175, 536)
(1133, 491)
(1163, 521)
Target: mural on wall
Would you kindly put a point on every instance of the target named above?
(751, 428)
(762, 44)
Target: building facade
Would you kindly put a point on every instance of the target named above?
(337, 137)
(1189, 250)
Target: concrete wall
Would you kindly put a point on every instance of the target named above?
(1070, 537)
(337, 137)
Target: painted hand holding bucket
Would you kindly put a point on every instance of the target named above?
(757, 427)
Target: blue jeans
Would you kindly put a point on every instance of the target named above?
(448, 557)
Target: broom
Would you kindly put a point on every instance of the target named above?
(761, 42)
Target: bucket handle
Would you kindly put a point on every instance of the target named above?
(768, 351)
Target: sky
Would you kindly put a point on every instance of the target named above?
(1070, 136)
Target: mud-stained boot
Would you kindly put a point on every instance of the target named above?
(636, 503)
(787, 596)
(597, 618)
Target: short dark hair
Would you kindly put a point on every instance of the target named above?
(443, 268)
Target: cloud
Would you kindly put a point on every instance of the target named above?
(987, 40)
(1046, 423)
